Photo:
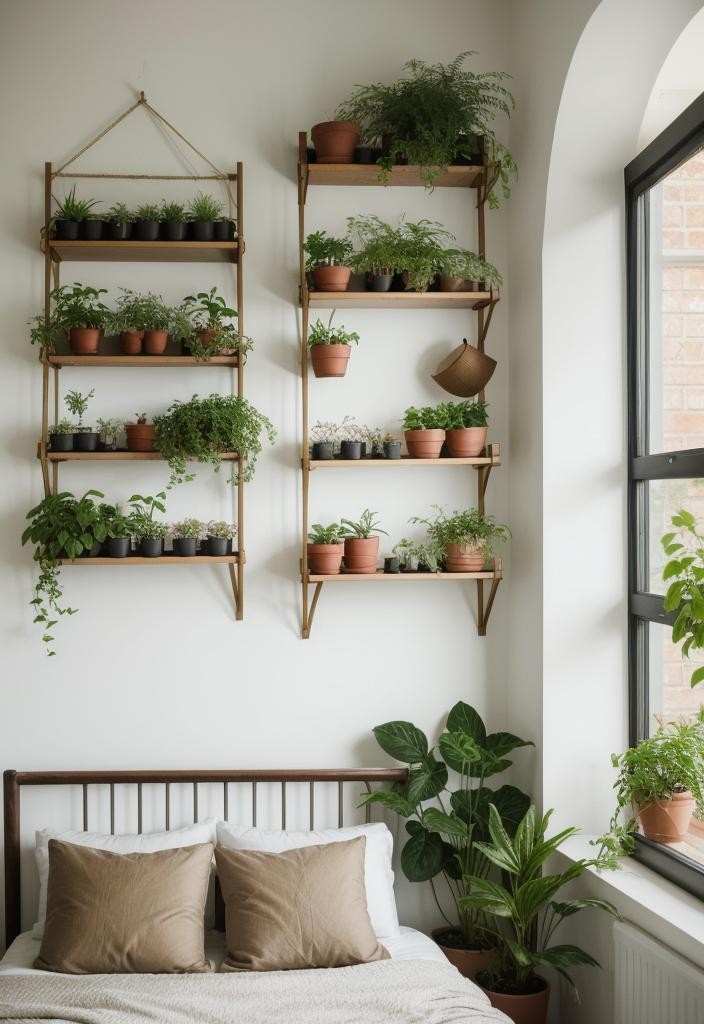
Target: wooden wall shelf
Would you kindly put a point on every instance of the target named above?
(490, 459)
(461, 176)
(106, 251)
(140, 361)
(401, 300)
(161, 560)
(118, 456)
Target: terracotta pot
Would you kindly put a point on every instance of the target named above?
(330, 360)
(451, 284)
(424, 444)
(84, 341)
(325, 559)
(467, 961)
(335, 141)
(155, 342)
(464, 558)
(667, 821)
(327, 278)
(465, 371)
(131, 342)
(361, 554)
(140, 437)
(465, 442)
(528, 1009)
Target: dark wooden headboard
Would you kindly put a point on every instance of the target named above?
(13, 782)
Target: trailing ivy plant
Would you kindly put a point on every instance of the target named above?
(685, 594)
(203, 428)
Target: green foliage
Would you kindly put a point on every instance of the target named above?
(143, 524)
(173, 211)
(427, 418)
(469, 266)
(365, 526)
(187, 528)
(469, 527)
(423, 243)
(73, 305)
(322, 249)
(221, 529)
(208, 309)
(132, 311)
(431, 115)
(331, 534)
(458, 415)
(62, 427)
(685, 593)
(77, 404)
(380, 248)
(525, 901)
(148, 211)
(205, 207)
(444, 839)
(119, 215)
(202, 428)
(117, 524)
(326, 334)
(74, 209)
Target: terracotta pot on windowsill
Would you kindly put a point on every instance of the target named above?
(667, 821)
(467, 961)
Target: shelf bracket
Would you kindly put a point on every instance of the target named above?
(309, 613)
(490, 306)
(484, 611)
(235, 592)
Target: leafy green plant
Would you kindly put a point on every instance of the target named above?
(117, 524)
(444, 839)
(685, 594)
(148, 211)
(209, 312)
(428, 554)
(143, 507)
(132, 312)
(404, 550)
(467, 528)
(187, 528)
(74, 209)
(459, 415)
(205, 207)
(469, 266)
(73, 305)
(333, 533)
(323, 249)
(119, 215)
(326, 334)
(203, 428)
(364, 527)
(109, 430)
(526, 902)
(173, 211)
(62, 427)
(426, 418)
(221, 529)
(77, 404)
(432, 115)
(208, 309)
(380, 248)
(422, 242)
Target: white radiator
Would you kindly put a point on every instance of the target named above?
(653, 984)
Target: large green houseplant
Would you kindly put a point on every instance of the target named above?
(447, 821)
(685, 594)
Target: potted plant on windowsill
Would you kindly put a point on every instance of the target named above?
(325, 549)
(219, 535)
(467, 538)
(185, 536)
(445, 824)
(361, 548)
(119, 222)
(147, 221)
(61, 436)
(148, 532)
(76, 311)
(525, 903)
(69, 216)
(174, 221)
(85, 439)
(424, 432)
(329, 261)
(203, 212)
(464, 270)
(140, 435)
(330, 348)
(465, 427)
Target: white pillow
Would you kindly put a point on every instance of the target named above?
(378, 875)
(202, 832)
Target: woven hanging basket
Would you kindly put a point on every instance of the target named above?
(465, 372)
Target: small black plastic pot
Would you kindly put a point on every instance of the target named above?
(94, 551)
(391, 565)
(397, 283)
(311, 155)
(120, 232)
(217, 546)
(350, 449)
(85, 442)
(224, 230)
(92, 229)
(117, 547)
(392, 449)
(174, 230)
(377, 450)
(364, 155)
(378, 282)
(147, 230)
(185, 546)
(61, 442)
(151, 547)
(66, 229)
(422, 567)
(322, 450)
(202, 230)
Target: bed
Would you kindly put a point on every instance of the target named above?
(416, 985)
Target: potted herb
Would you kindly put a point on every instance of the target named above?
(108, 434)
(174, 220)
(335, 141)
(430, 556)
(392, 447)
(203, 212)
(361, 548)
(403, 551)
(219, 535)
(465, 427)
(203, 428)
(85, 439)
(422, 246)
(353, 439)
(463, 270)
(141, 436)
(328, 260)
(330, 348)
(424, 432)
(119, 221)
(148, 531)
(530, 906)
(147, 219)
(61, 436)
(161, 321)
(78, 312)
(445, 825)
(325, 549)
(70, 214)
(129, 320)
(118, 531)
(380, 251)
(685, 593)
(213, 332)
(376, 439)
(186, 535)
(467, 538)
(323, 437)
(61, 526)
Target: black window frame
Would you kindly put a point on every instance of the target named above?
(679, 141)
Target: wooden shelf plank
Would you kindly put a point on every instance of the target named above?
(162, 560)
(401, 300)
(119, 456)
(132, 251)
(405, 460)
(379, 576)
(461, 176)
(141, 361)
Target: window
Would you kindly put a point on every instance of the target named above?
(665, 254)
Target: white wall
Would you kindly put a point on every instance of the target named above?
(153, 672)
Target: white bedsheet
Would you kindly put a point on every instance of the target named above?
(409, 945)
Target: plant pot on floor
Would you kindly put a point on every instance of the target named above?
(61, 442)
(185, 547)
(155, 342)
(361, 554)
(465, 442)
(322, 451)
(325, 559)
(327, 278)
(530, 1008)
(224, 230)
(67, 230)
(84, 341)
(464, 558)
(424, 444)
(117, 547)
(202, 230)
(85, 441)
(174, 230)
(131, 342)
(151, 547)
(335, 141)
(467, 961)
(147, 230)
(667, 820)
(330, 360)
(350, 449)
(140, 437)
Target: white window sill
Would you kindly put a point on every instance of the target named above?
(659, 907)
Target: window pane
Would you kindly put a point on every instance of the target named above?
(665, 497)
(676, 299)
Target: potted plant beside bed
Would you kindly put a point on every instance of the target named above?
(330, 348)
(424, 432)
(467, 538)
(444, 825)
(148, 531)
(464, 270)
(85, 439)
(325, 549)
(361, 548)
(329, 261)
(465, 427)
(203, 211)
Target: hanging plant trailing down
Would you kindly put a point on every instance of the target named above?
(203, 428)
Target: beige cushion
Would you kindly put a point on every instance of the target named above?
(111, 913)
(299, 909)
